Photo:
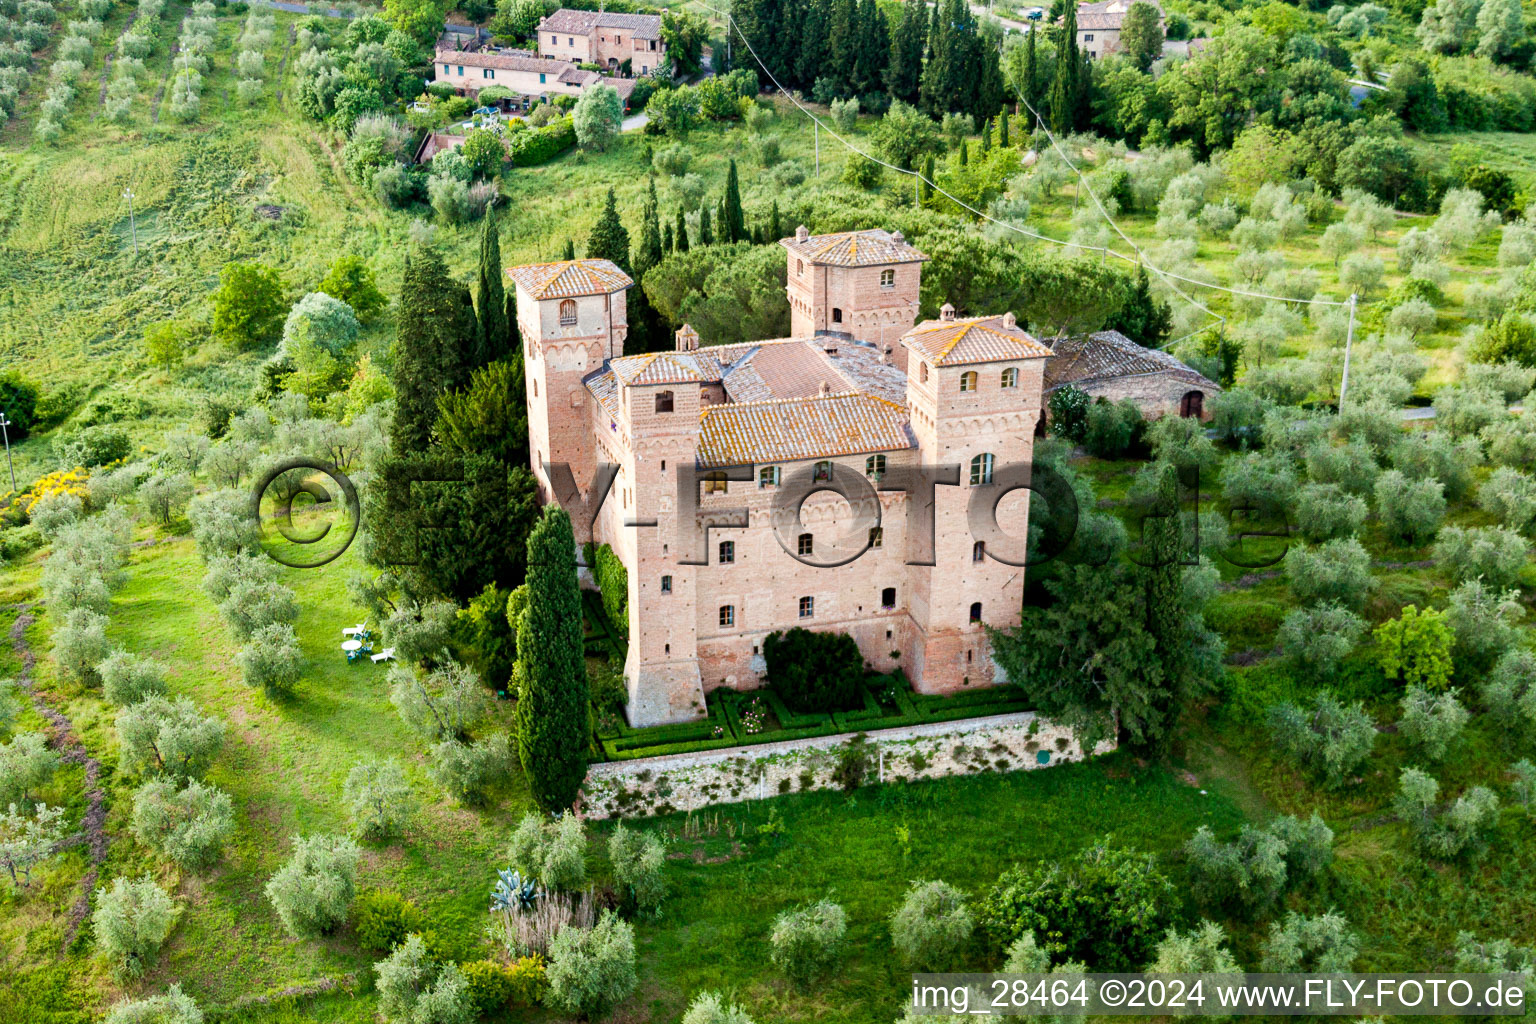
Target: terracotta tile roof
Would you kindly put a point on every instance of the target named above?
(1108, 355)
(644, 26)
(738, 433)
(505, 60)
(978, 339)
(871, 248)
(666, 368)
(1106, 14)
(570, 278)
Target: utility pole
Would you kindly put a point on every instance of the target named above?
(818, 147)
(133, 225)
(5, 425)
(1349, 337)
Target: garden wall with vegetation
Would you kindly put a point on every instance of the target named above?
(686, 782)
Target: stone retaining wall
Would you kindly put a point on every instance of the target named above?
(686, 782)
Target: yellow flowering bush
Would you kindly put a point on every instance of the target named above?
(65, 481)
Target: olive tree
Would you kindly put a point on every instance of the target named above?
(417, 988)
(186, 825)
(1494, 554)
(160, 736)
(807, 942)
(446, 702)
(1435, 455)
(931, 926)
(1201, 950)
(165, 495)
(591, 970)
(127, 678)
(80, 644)
(1328, 738)
(1337, 571)
(380, 798)
(131, 922)
(175, 1007)
(711, 1008)
(1323, 943)
(271, 659)
(1326, 511)
(638, 859)
(1252, 872)
(1509, 692)
(1484, 620)
(1410, 510)
(312, 891)
(1352, 466)
(27, 764)
(551, 851)
(1317, 638)
(1463, 829)
(1432, 721)
(70, 585)
(1510, 496)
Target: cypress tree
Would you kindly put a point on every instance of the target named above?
(924, 188)
(874, 47)
(935, 87)
(705, 235)
(814, 39)
(965, 152)
(904, 72)
(842, 48)
(495, 338)
(434, 345)
(1002, 129)
(652, 244)
(666, 237)
(551, 673)
(1063, 111)
(680, 236)
(1031, 75)
(775, 226)
(1084, 83)
(569, 252)
(1162, 575)
(610, 239)
(733, 224)
(986, 138)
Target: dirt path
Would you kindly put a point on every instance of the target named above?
(282, 67)
(62, 732)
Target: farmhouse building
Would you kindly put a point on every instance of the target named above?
(712, 444)
(603, 37)
(525, 73)
(1099, 25)
(1109, 365)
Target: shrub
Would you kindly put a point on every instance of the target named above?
(1329, 739)
(1253, 872)
(552, 852)
(1352, 466)
(637, 859)
(414, 988)
(467, 770)
(592, 970)
(1069, 407)
(1482, 618)
(1493, 956)
(1323, 943)
(1509, 691)
(1432, 721)
(1201, 950)
(95, 446)
(807, 942)
(711, 1008)
(27, 764)
(167, 737)
(1320, 637)
(1493, 553)
(312, 891)
(1181, 441)
(494, 986)
(931, 926)
(1416, 647)
(814, 671)
(186, 826)
(1338, 572)
(380, 798)
(613, 582)
(127, 678)
(1410, 510)
(1461, 830)
(80, 644)
(1510, 496)
(1462, 411)
(1105, 907)
(172, 1008)
(383, 919)
(131, 922)
(271, 659)
(1326, 511)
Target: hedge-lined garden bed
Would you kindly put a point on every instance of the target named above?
(737, 718)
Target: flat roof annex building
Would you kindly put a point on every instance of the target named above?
(710, 441)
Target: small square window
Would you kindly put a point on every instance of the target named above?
(876, 536)
(968, 380)
(666, 584)
(887, 278)
(837, 315)
(768, 476)
(805, 544)
(727, 552)
(874, 467)
(715, 483)
(823, 472)
(727, 615)
(807, 607)
(888, 597)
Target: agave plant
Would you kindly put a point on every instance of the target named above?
(513, 892)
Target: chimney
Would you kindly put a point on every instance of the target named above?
(687, 339)
(802, 233)
(1010, 321)
(824, 390)
(898, 237)
(946, 312)
(885, 355)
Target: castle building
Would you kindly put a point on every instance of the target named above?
(765, 485)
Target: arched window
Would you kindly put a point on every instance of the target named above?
(727, 615)
(768, 476)
(979, 551)
(874, 467)
(714, 483)
(1011, 377)
(799, 268)
(976, 611)
(823, 472)
(922, 372)
(727, 552)
(887, 278)
(663, 401)
(981, 468)
(968, 380)
(805, 544)
(568, 313)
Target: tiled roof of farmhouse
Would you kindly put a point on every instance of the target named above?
(738, 433)
(977, 339)
(1108, 355)
(875, 247)
(570, 278)
(644, 26)
(1106, 14)
(506, 60)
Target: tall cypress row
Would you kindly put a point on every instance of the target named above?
(435, 346)
(1064, 97)
(733, 223)
(552, 703)
(495, 338)
(904, 71)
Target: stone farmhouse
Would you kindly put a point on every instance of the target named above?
(603, 37)
(706, 438)
(1109, 365)
(1099, 25)
(528, 75)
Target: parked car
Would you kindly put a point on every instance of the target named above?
(1035, 13)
